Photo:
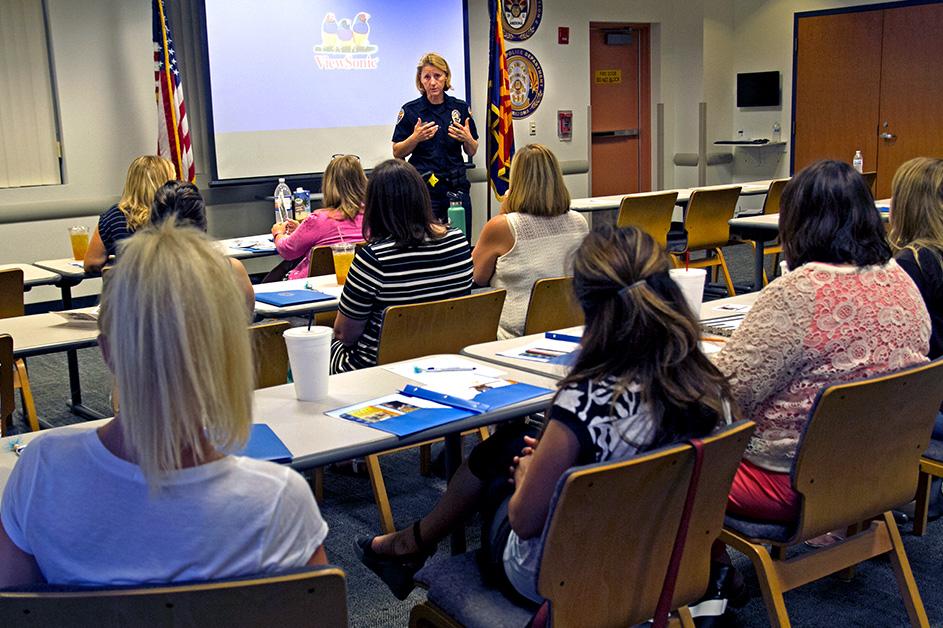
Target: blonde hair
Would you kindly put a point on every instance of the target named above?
(438, 62)
(917, 207)
(145, 175)
(536, 184)
(345, 185)
(179, 349)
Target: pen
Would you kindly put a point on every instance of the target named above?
(552, 335)
(442, 369)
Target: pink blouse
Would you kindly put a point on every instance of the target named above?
(321, 228)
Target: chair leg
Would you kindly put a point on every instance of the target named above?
(425, 460)
(21, 379)
(922, 508)
(428, 615)
(317, 485)
(905, 577)
(484, 432)
(379, 494)
(723, 266)
(767, 575)
(684, 614)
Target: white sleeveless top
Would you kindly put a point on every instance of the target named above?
(543, 247)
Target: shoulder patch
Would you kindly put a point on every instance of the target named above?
(400, 115)
(469, 112)
(456, 116)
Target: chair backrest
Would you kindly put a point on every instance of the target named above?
(773, 196)
(321, 261)
(269, 353)
(649, 212)
(870, 178)
(860, 452)
(615, 523)
(552, 306)
(446, 326)
(317, 596)
(7, 403)
(11, 293)
(708, 215)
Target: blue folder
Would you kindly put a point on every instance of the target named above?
(283, 298)
(265, 445)
(425, 418)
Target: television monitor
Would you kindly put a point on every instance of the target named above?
(758, 89)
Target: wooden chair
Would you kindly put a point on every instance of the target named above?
(420, 329)
(269, 353)
(604, 566)
(11, 304)
(321, 262)
(931, 466)
(857, 460)
(771, 206)
(7, 403)
(649, 212)
(869, 178)
(552, 306)
(314, 596)
(706, 221)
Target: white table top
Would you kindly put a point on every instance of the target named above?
(65, 266)
(316, 439)
(324, 283)
(600, 203)
(232, 246)
(35, 334)
(33, 275)
(771, 221)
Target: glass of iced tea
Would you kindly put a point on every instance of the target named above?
(79, 238)
(343, 256)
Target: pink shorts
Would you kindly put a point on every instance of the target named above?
(763, 495)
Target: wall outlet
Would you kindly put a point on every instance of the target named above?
(533, 127)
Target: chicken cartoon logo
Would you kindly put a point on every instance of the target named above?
(345, 43)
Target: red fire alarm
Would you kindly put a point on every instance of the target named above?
(563, 35)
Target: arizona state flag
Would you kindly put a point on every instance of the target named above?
(500, 130)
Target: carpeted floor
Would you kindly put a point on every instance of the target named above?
(871, 599)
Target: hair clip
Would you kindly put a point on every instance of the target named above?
(624, 291)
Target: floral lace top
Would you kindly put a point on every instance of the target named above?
(818, 325)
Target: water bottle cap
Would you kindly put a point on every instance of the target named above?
(300, 189)
(281, 179)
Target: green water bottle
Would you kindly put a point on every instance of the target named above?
(457, 213)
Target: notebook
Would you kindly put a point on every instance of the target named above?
(283, 298)
(265, 445)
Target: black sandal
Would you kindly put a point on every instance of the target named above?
(396, 571)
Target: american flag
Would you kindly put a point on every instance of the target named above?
(173, 131)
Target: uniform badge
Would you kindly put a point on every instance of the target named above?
(433, 180)
(456, 116)
(400, 115)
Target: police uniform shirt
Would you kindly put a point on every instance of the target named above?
(440, 154)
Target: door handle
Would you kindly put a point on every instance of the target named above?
(616, 133)
(887, 136)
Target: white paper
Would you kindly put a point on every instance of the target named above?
(544, 350)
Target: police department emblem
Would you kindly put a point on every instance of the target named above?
(456, 116)
(521, 18)
(526, 80)
(400, 115)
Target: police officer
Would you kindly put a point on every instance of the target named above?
(433, 130)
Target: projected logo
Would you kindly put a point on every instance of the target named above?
(526, 80)
(345, 44)
(521, 18)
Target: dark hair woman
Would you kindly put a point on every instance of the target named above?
(640, 381)
(409, 258)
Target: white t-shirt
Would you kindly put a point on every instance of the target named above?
(89, 518)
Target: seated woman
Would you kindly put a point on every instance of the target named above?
(533, 238)
(917, 237)
(640, 381)
(182, 202)
(145, 175)
(341, 219)
(155, 495)
(846, 311)
(410, 258)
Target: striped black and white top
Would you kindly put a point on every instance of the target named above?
(113, 228)
(384, 274)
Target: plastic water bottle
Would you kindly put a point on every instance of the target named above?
(858, 161)
(457, 214)
(777, 132)
(282, 201)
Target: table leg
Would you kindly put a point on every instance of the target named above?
(453, 459)
(758, 265)
(72, 359)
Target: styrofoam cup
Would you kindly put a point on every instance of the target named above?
(691, 282)
(309, 353)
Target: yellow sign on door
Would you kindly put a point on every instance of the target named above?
(608, 76)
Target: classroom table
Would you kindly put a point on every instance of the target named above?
(764, 228)
(33, 275)
(489, 351)
(248, 246)
(316, 439)
(323, 283)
